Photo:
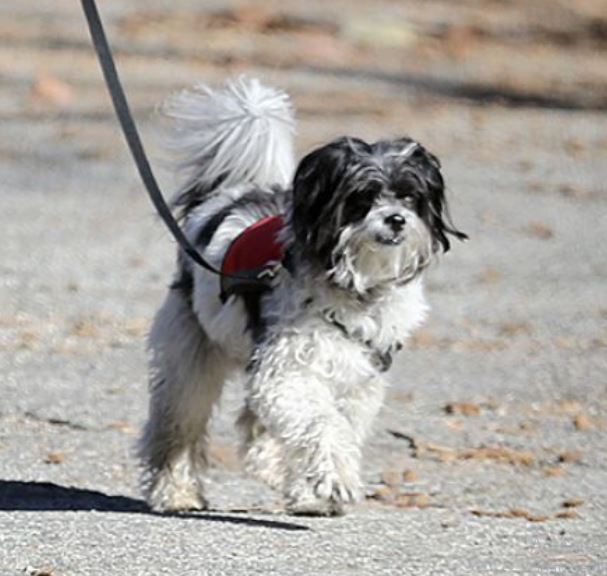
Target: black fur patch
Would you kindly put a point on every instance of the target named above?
(259, 200)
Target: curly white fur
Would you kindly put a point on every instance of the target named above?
(243, 132)
(313, 385)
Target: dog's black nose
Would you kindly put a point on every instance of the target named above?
(395, 221)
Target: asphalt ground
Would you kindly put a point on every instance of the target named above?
(490, 455)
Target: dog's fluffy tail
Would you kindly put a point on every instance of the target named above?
(242, 133)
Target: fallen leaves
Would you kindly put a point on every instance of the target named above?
(51, 90)
(392, 491)
(490, 276)
(442, 453)
(122, 426)
(573, 146)
(463, 408)
(32, 571)
(569, 512)
(500, 454)
(394, 476)
(539, 230)
(423, 339)
(412, 500)
(567, 515)
(410, 476)
(582, 422)
(572, 503)
(460, 40)
(510, 329)
(511, 513)
(84, 328)
(249, 33)
(267, 21)
(578, 192)
(391, 477)
(391, 496)
(570, 457)
(554, 471)
(453, 424)
(55, 457)
(582, 417)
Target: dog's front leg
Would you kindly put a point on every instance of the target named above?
(321, 451)
(362, 404)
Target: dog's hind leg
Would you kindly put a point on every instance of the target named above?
(187, 373)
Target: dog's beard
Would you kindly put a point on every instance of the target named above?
(368, 254)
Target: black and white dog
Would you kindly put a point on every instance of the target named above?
(358, 224)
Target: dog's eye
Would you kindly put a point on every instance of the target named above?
(406, 197)
(374, 188)
(360, 203)
(407, 185)
(357, 208)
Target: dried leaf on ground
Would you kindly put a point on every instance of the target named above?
(410, 476)
(570, 456)
(55, 457)
(554, 471)
(31, 571)
(567, 514)
(572, 503)
(511, 513)
(490, 276)
(122, 426)
(51, 90)
(490, 453)
(463, 408)
(412, 500)
(582, 422)
(514, 328)
(539, 230)
(391, 477)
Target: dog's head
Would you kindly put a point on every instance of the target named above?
(369, 214)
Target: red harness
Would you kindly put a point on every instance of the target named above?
(255, 252)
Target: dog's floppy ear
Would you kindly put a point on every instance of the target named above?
(438, 218)
(318, 191)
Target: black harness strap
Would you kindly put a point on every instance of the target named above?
(382, 359)
(129, 129)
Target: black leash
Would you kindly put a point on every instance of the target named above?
(129, 130)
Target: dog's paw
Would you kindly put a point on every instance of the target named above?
(181, 502)
(167, 496)
(323, 493)
(313, 506)
(332, 486)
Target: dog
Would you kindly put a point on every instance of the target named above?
(311, 326)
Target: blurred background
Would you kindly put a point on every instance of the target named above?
(501, 400)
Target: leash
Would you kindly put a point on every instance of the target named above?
(129, 129)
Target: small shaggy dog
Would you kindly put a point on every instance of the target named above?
(323, 283)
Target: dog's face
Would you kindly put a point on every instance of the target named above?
(369, 214)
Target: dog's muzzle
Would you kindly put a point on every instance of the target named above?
(393, 232)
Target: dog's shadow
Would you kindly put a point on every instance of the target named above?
(46, 496)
